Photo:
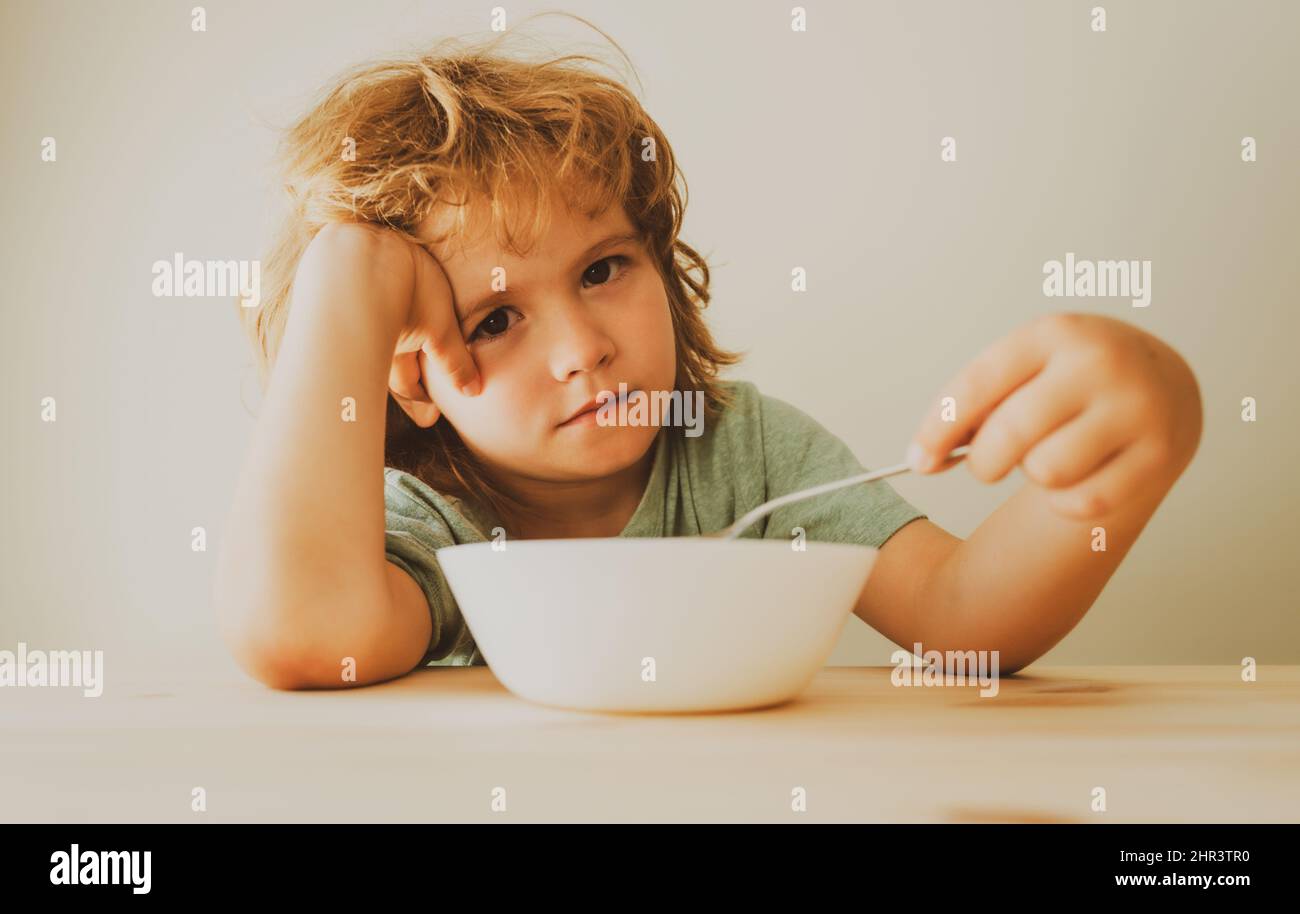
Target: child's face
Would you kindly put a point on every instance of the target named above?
(574, 320)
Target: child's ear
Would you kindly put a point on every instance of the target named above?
(424, 415)
(405, 386)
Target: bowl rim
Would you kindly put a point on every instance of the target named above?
(660, 542)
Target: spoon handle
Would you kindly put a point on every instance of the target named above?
(769, 506)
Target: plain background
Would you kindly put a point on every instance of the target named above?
(817, 149)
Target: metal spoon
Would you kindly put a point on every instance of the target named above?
(730, 533)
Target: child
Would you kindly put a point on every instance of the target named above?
(480, 247)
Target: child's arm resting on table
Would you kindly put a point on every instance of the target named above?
(302, 583)
(1103, 419)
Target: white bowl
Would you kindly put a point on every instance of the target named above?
(652, 625)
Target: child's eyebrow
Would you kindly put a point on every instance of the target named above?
(491, 299)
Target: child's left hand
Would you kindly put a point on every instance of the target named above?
(1088, 406)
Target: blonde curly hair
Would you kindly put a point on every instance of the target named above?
(464, 123)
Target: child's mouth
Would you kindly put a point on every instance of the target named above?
(584, 418)
(589, 414)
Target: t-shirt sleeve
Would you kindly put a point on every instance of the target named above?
(800, 453)
(418, 522)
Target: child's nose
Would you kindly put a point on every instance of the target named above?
(578, 341)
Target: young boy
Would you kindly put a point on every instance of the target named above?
(480, 248)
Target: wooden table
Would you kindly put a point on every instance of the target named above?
(1168, 744)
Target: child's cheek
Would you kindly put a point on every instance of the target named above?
(502, 412)
(655, 336)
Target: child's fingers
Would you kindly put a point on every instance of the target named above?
(1077, 450)
(448, 355)
(1124, 476)
(976, 390)
(445, 344)
(1032, 412)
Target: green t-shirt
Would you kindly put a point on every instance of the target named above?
(756, 449)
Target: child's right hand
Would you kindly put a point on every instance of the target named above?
(431, 341)
(411, 289)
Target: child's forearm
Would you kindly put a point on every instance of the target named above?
(1027, 575)
(302, 569)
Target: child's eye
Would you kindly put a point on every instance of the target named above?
(598, 272)
(498, 322)
(494, 325)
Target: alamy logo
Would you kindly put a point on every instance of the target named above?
(945, 668)
(658, 407)
(78, 867)
(53, 668)
(210, 278)
(1101, 278)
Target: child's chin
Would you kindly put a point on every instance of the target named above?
(603, 451)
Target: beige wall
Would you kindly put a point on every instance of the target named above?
(818, 149)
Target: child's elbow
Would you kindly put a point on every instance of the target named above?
(1011, 664)
(279, 673)
(268, 653)
(270, 662)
